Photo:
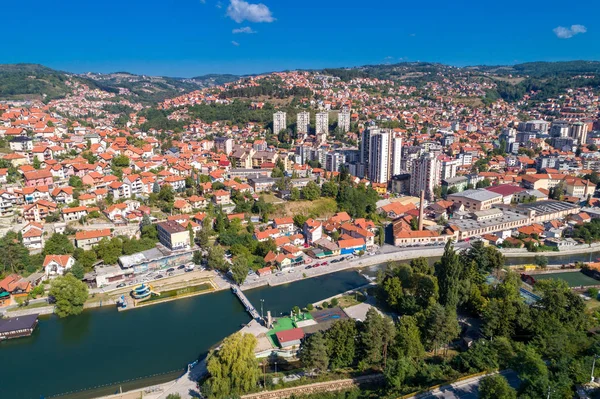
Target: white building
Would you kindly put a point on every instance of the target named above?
(57, 265)
(426, 174)
(279, 122)
(379, 157)
(344, 121)
(303, 122)
(322, 125)
(334, 161)
(396, 156)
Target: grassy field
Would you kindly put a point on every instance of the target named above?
(350, 300)
(469, 101)
(31, 306)
(320, 208)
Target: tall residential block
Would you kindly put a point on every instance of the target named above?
(322, 123)
(303, 122)
(279, 122)
(344, 121)
(379, 157)
(426, 174)
(396, 156)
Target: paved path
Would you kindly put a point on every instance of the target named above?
(467, 389)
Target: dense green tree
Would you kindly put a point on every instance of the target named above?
(341, 343)
(441, 326)
(77, 270)
(166, 193)
(86, 258)
(397, 371)
(120, 161)
(15, 257)
(408, 339)
(311, 191)
(421, 265)
(376, 336)
(58, 244)
(496, 387)
(239, 269)
(216, 258)
(329, 189)
(69, 295)
(232, 369)
(313, 353)
(448, 271)
(532, 371)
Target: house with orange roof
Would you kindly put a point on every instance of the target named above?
(16, 286)
(221, 197)
(57, 265)
(38, 211)
(182, 206)
(74, 214)
(88, 238)
(41, 177)
(285, 225)
(351, 245)
(33, 237)
(313, 230)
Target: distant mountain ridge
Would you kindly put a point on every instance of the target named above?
(34, 81)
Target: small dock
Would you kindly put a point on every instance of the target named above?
(246, 302)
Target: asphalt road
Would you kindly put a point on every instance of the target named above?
(467, 389)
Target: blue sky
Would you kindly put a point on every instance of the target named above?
(193, 37)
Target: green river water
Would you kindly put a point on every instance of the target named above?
(94, 353)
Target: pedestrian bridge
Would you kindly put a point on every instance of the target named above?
(246, 302)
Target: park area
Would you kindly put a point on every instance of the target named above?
(321, 208)
(574, 279)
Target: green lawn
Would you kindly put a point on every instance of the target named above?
(32, 306)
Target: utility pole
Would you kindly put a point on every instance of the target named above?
(593, 365)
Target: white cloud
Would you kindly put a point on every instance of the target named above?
(203, 1)
(566, 33)
(240, 10)
(235, 43)
(219, 4)
(245, 29)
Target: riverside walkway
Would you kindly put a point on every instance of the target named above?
(246, 302)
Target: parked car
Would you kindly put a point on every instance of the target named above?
(121, 285)
(159, 276)
(180, 267)
(308, 267)
(169, 270)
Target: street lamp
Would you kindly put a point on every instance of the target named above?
(276, 368)
(593, 365)
(262, 316)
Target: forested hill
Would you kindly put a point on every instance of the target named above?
(37, 82)
(32, 81)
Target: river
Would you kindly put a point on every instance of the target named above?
(94, 353)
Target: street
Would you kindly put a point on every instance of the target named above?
(467, 389)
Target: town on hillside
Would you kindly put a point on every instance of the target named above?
(280, 177)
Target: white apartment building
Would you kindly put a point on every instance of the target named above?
(279, 122)
(426, 174)
(303, 122)
(334, 161)
(396, 156)
(379, 157)
(322, 124)
(344, 121)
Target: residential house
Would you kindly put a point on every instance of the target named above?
(74, 214)
(88, 238)
(313, 230)
(57, 265)
(33, 236)
(38, 178)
